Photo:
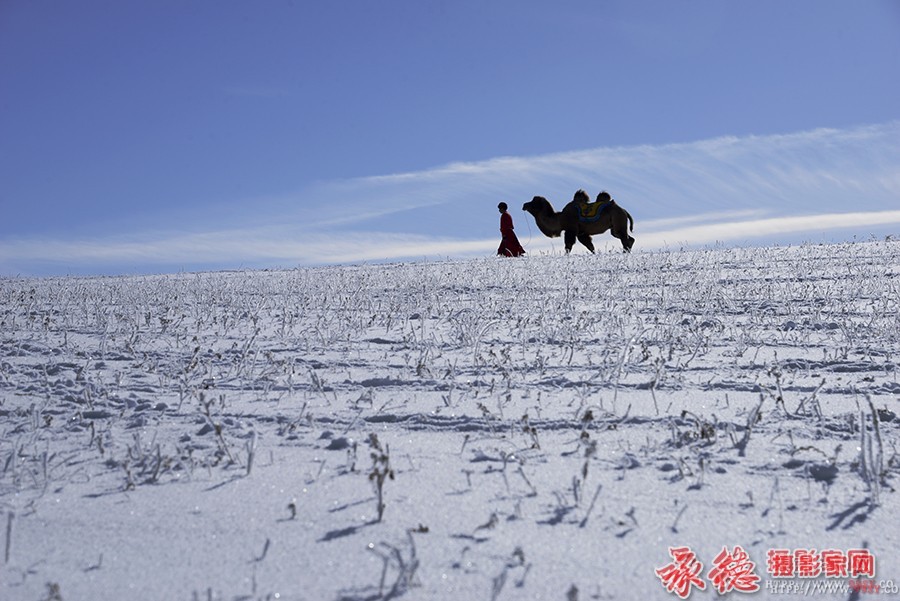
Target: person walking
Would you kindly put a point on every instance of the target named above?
(509, 245)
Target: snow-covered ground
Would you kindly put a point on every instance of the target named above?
(552, 427)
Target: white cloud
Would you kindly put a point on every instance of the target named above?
(726, 189)
(822, 170)
(239, 247)
(775, 226)
(273, 246)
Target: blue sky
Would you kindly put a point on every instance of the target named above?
(180, 135)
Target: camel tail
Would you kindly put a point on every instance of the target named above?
(627, 214)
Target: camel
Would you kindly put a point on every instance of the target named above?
(580, 219)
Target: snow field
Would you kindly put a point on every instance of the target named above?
(537, 428)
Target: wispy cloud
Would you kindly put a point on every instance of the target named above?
(782, 228)
(248, 248)
(274, 247)
(826, 169)
(726, 189)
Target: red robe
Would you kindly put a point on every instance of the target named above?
(509, 246)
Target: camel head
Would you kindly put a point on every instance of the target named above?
(545, 216)
(538, 206)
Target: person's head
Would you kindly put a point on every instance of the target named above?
(502, 206)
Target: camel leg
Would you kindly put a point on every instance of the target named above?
(626, 240)
(569, 238)
(585, 239)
